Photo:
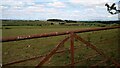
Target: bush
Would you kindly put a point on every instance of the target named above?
(61, 23)
(52, 23)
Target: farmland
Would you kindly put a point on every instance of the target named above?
(107, 41)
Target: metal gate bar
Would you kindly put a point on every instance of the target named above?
(17, 38)
(105, 60)
(33, 58)
(55, 50)
(96, 49)
(51, 53)
(72, 48)
(86, 58)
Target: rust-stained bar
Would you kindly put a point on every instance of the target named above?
(51, 53)
(97, 50)
(33, 58)
(6, 39)
(19, 61)
(86, 58)
(103, 61)
(72, 48)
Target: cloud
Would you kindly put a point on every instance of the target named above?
(52, 11)
(111, 16)
(13, 3)
(3, 7)
(88, 2)
(69, 9)
(57, 4)
(35, 8)
(92, 3)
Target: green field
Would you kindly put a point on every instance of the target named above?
(106, 40)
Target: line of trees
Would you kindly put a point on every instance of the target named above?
(52, 22)
(103, 22)
(24, 23)
(55, 20)
(72, 21)
(59, 20)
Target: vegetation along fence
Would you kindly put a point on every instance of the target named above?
(72, 37)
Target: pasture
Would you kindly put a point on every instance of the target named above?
(106, 40)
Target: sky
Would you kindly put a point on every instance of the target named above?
(58, 9)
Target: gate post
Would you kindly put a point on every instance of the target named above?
(72, 48)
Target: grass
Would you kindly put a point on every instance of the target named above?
(107, 41)
(28, 30)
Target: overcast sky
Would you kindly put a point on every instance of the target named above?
(60, 9)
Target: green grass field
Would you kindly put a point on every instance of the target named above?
(106, 40)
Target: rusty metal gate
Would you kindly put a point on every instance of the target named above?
(71, 36)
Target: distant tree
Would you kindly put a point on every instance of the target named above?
(70, 21)
(55, 20)
(61, 23)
